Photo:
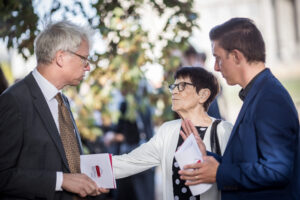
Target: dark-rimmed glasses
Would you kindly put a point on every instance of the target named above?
(180, 86)
(84, 60)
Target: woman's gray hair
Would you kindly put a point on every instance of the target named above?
(62, 35)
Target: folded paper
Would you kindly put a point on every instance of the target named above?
(189, 153)
(99, 168)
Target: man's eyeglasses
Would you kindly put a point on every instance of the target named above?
(84, 60)
(180, 86)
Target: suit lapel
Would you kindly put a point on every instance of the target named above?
(257, 85)
(46, 116)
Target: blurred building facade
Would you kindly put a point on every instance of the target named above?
(278, 20)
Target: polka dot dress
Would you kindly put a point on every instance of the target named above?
(181, 191)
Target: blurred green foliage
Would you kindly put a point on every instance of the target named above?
(292, 85)
(128, 49)
(18, 25)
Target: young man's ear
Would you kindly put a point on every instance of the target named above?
(238, 56)
(204, 95)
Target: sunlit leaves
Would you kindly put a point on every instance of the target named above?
(18, 24)
(129, 47)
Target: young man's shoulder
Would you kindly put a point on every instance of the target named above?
(272, 86)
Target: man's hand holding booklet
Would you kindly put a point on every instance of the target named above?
(189, 153)
(99, 168)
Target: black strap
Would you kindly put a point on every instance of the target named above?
(214, 140)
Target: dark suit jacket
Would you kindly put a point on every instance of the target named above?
(259, 162)
(213, 109)
(31, 151)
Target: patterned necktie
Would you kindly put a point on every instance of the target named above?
(67, 136)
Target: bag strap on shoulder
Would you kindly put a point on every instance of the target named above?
(214, 140)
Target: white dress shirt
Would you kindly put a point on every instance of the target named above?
(49, 91)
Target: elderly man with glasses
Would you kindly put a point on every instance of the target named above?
(40, 145)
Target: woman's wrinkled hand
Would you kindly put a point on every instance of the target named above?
(188, 129)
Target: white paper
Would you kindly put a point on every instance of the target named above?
(189, 153)
(99, 168)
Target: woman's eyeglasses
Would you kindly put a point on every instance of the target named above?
(180, 86)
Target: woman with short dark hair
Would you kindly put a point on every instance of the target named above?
(194, 89)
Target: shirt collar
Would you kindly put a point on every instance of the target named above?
(48, 89)
(244, 92)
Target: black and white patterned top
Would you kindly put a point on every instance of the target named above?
(181, 191)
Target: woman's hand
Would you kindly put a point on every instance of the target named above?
(188, 129)
(202, 172)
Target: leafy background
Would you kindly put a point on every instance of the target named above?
(128, 48)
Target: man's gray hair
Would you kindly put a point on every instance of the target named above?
(62, 35)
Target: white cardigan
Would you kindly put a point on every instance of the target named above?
(160, 149)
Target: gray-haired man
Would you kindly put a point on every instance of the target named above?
(39, 142)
